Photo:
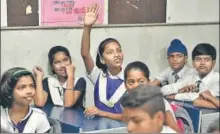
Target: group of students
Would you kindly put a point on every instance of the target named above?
(125, 94)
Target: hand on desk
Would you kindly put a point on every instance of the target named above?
(206, 99)
(188, 88)
(206, 95)
(92, 111)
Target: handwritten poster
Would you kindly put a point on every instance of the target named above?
(68, 12)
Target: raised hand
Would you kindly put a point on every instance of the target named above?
(70, 70)
(91, 15)
(38, 72)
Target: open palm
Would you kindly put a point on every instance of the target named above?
(91, 15)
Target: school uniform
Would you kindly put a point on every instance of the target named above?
(168, 76)
(209, 82)
(167, 129)
(34, 122)
(56, 91)
(108, 90)
(169, 108)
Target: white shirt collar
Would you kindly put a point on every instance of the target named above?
(207, 78)
(181, 72)
(120, 75)
(57, 84)
(167, 129)
(28, 114)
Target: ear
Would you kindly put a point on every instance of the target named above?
(102, 60)
(160, 117)
(186, 59)
(213, 63)
(193, 63)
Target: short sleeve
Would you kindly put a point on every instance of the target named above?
(44, 124)
(164, 75)
(80, 85)
(169, 108)
(215, 89)
(45, 85)
(93, 76)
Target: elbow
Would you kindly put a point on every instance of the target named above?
(84, 54)
(196, 103)
(39, 103)
(68, 105)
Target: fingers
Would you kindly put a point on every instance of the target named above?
(189, 88)
(96, 8)
(90, 112)
(37, 69)
(93, 8)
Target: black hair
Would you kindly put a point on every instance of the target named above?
(8, 82)
(54, 50)
(214, 126)
(148, 98)
(204, 49)
(100, 52)
(137, 65)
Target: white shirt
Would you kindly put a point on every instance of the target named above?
(167, 75)
(209, 82)
(167, 129)
(93, 76)
(169, 108)
(36, 123)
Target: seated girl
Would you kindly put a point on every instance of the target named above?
(16, 93)
(138, 73)
(62, 88)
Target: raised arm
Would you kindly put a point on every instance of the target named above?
(89, 19)
(40, 97)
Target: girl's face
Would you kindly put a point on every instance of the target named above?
(61, 60)
(24, 91)
(112, 55)
(134, 78)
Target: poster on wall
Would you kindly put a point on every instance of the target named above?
(68, 12)
(22, 13)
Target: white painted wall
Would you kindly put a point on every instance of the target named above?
(28, 48)
(192, 11)
(3, 13)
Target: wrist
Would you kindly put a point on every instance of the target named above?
(69, 89)
(39, 78)
(70, 77)
(87, 27)
(102, 113)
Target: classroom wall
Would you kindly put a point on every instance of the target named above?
(148, 43)
(192, 11)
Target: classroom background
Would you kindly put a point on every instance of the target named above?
(142, 38)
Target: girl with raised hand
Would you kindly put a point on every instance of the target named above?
(107, 74)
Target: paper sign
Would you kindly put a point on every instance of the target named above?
(68, 12)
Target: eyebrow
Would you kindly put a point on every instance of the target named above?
(135, 117)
